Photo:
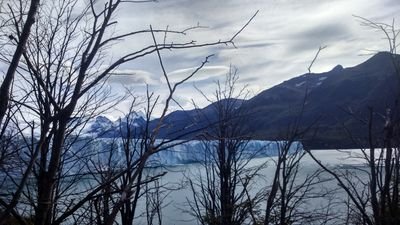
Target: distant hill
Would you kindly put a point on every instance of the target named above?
(330, 98)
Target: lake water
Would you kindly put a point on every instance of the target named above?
(176, 202)
(178, 192)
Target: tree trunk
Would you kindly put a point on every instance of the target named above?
(47, 177)
(6, 85)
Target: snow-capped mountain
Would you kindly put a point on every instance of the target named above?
(102, 126)
(133, 119)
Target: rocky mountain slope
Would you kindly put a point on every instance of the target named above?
(334, 101)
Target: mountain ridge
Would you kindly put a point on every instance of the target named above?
(328, 96)
(337, 98)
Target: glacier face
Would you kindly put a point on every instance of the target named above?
(101, 144)
(175, 152)
(195, 151)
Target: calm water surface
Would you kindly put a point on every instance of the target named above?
(176, 202)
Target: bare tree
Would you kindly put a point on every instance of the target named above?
(139, 142)
(63, 81)
(9, 147)
(20, 38)
(291, 189)
(221, 195)
(373, 190)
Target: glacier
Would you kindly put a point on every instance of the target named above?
(195, 151)
(175, 152)
(106, 137)
(100, 143)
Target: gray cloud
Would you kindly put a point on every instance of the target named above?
(213, 72)
(320, 35)
(132, 77)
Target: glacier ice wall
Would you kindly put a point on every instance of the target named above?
(176, 152)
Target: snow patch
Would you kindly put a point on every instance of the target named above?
(322, 78)
(300, 84)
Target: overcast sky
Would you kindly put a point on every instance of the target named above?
(279, 44)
